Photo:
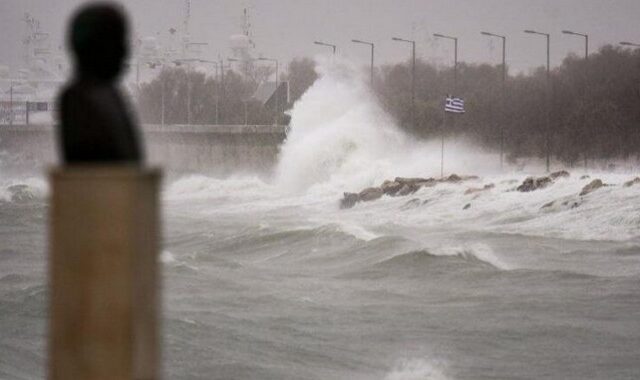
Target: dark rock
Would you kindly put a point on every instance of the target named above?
(559, 174)
(467, 206)
(21, 193)
(391, 187)
(408, 189)
(531, 184)
(425, 202)
(473, 190)
(349, 200)
(413, 203)
(547, 205)
(592, 186)
(416, 181)
(632, 182)
(370, 194)
(586, 176)
(453, 178)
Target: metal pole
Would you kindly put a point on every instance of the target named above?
(413, 84)
(444, 120)
(371, 44)
(218, 94)
(332, 46)
(372, 48)
(455, 66)
(548, 102)
(221, 108)
(278, 93)
(246, 114)
(586, 75)
(548, 121)
(188, 96)
(586, 81)
(11, 103)
(162, 74)
(413, 79)
(504, 100)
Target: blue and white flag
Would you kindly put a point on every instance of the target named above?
(454, 105)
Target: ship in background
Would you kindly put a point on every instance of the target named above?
(27, 94)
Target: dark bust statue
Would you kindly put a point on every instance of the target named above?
(95, 125)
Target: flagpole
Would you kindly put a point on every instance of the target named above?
(444, 121)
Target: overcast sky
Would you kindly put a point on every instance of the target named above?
(285, 29)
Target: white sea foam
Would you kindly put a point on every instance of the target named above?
(167, 257)
(341, 138)
(476, 251)
(416, 369)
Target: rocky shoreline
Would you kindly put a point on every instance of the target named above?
(400, 187)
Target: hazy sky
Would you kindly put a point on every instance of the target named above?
(285, 29)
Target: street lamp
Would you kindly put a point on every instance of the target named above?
(455, 58)
(586, 41)
(277, 118)
(586, 70)
(504, 91)
(326, 44)
(548, 131)
(372, 47)
(413, 78)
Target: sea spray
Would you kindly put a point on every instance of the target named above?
(342, 139)
(416, 369)
(338, 134)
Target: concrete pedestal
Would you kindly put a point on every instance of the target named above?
(104, 302)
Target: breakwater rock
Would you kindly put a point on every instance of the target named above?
(397, 187)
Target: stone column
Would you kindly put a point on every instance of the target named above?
(104, 310)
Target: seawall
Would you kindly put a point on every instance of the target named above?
(211, 149)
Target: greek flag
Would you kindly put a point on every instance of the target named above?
(454, 105)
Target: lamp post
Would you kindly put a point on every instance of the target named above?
(504, 92)
(630, 44)
(586, 72)
(332, 46)
(548, 131)
(277, 118)
(372, 49)
(413, 78)
(11, 103)
(455, 58)
(455, 90)
(586, 41)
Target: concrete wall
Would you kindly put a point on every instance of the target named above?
(211, 149)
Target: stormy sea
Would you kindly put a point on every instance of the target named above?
(266, 277)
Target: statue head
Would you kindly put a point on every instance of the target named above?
(98, 40)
